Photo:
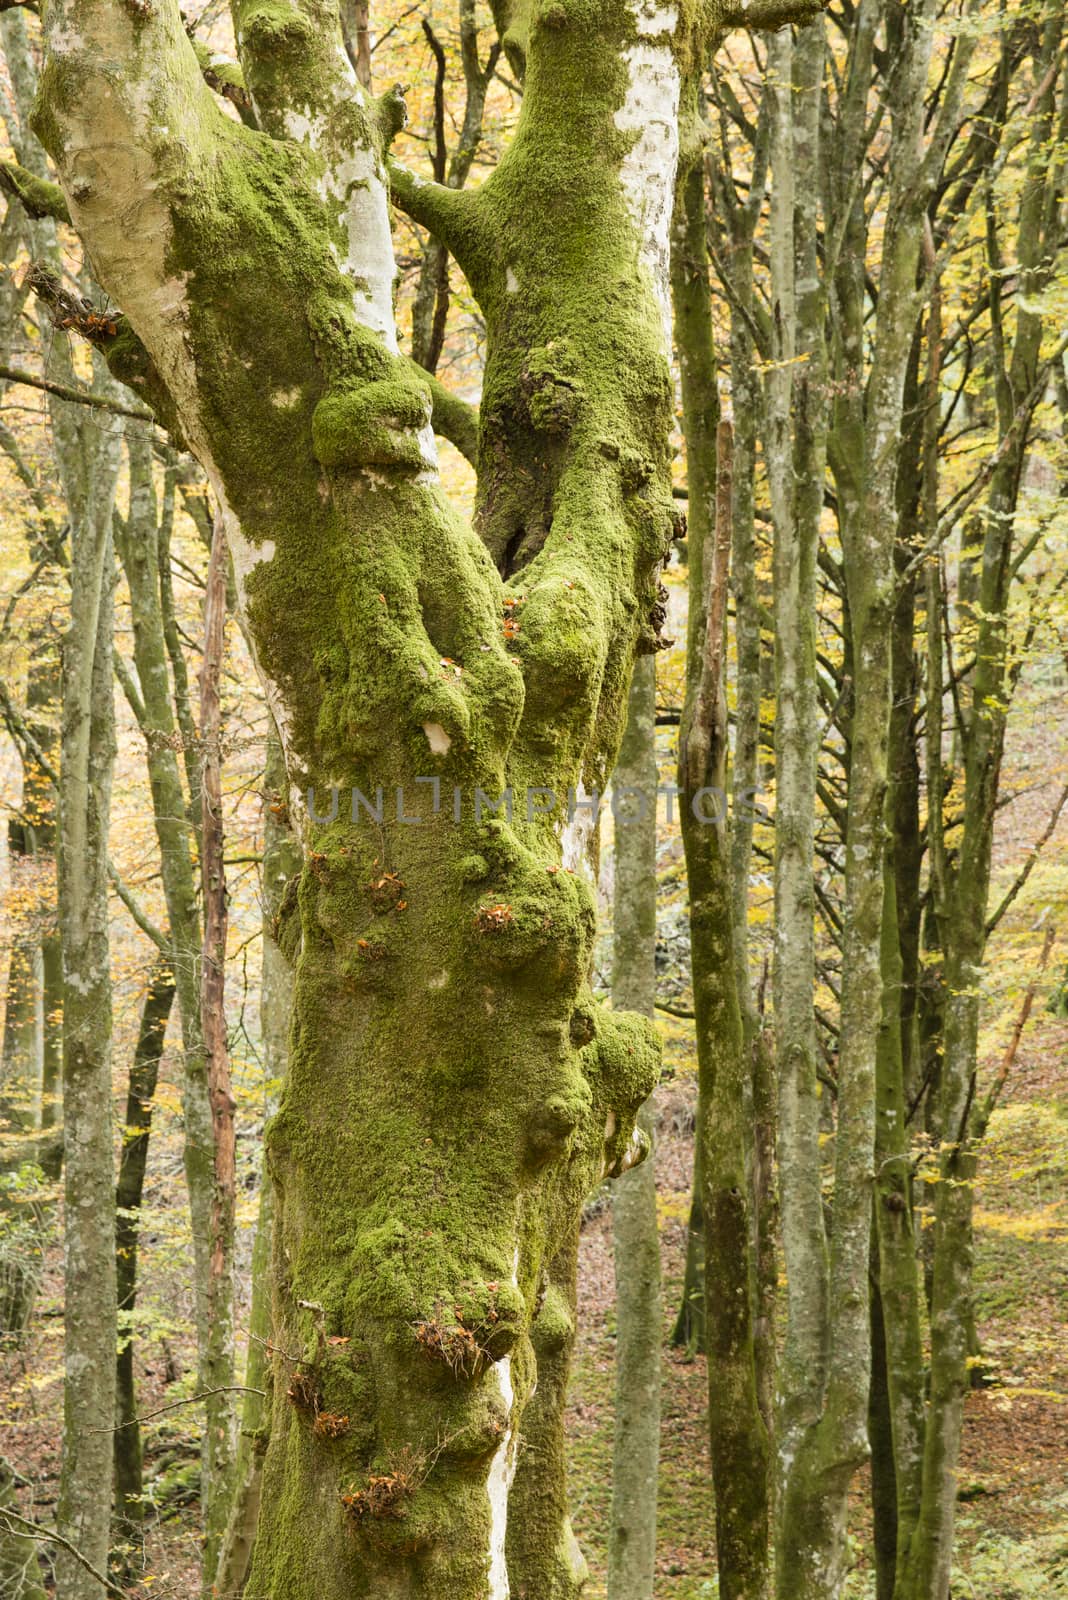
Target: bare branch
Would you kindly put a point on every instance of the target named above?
(138, 913)
(49, 1536)
(1029, 865)
(83, 397)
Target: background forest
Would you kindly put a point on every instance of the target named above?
(870, 295)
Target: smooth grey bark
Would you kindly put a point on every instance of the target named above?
(636, 1237)
(144, 542)
(281, 865)
(794, 460)
(90, 458)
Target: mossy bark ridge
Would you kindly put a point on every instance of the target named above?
(453, 1088)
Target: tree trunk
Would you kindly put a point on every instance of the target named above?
(636, 1444)
(217, 1356)
(88, 750)
(144, 1071)
(281, 869)
(725, 1126)
(925, 1575)
(453, 1088)
(143, 542)
(795, 467)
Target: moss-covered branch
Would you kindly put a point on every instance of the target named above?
(767, 16)
(452, 417)
(37, 196)
(225, 78)
(451, 215)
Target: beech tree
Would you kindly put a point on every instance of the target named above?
(453, 1089)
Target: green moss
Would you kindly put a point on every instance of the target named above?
(38, 197)
(371, 426)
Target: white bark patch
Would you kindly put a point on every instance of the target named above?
(650, 112)
(501, 1476)
(358, 186)
(355, 181)
(511, 282)
(577, 833)
(437, 738)
(428, 449)
(498, 1488)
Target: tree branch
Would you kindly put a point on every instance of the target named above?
(138, 913)
(37, 196)
(83, 397)
(982, 1118)
(224, 77)
(50, 1536)
(768, 16)
(451, 417)
(447, 213)
(1028, 866)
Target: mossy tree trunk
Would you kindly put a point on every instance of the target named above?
(453, 1088)
(636, 1234)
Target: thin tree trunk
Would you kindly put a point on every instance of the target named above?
(144, 1071)
(281, 869)
(88, 752)
(636, 1443)
(143, 541)
(218, 1356)
(795, 479)
(725, 1131)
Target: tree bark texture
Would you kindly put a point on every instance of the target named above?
(636, 1234)
(87, 759)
